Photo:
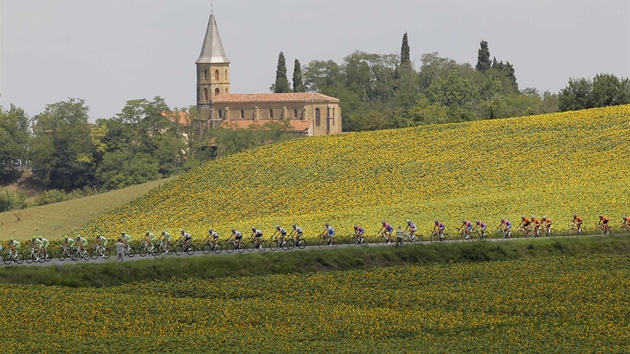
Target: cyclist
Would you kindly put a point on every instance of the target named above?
(101, 241)
(525, 224)
(167, 239)
(547, 224)
(126, 239)
(482, 228)
(214, 238)
(329, 233)
(438, 229)
(187, 238)
(280, 231)
(35, 246)
(603, 223)
(15, 246)
(257, 237)
(297, 231)
(625, 224)
(42, 247)
(68, 242)
(536, 224)
(358, 234)
(149, 238)
(411, 228)
(238, 237)
(506, 227)
(388, 230)
(577, 222)
(466, 227)
(81, 244)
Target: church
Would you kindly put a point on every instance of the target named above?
(308, 113)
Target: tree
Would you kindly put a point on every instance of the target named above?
(405, 59)
(298, 84)
(61, 150)
(576, 95)
(483, 57)
(14, 137)
(282, 83)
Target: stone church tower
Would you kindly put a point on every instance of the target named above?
(213, 70)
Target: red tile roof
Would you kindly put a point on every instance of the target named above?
(182, 118)
(296, 124)
(314, 97)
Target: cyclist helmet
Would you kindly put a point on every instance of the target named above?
(210, 231)
(40, 237)
(533, 217)
(384, 222)
(327, 224)
(356, 227)
(464, 221)
(253, 229)
(277, 227)
(11, 240)
(601, 216)
(476, 221)
(408, 222)
(575, 215)
(123, 233)
(294, 226)
(435, 221)
(182, 231)
(163, 232)
(502, 220)
(34, 237)
(544, 217)
(233, 230)
(148, 232)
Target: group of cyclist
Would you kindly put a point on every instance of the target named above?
(531, 226)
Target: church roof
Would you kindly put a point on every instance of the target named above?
(212, 50)
(313, 97)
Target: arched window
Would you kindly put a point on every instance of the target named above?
(271, 114)
(205, 75)
(216, 91)
(216, 75)
(205, 94)
(318, 118)
(220, 114)
(226, 76)
(242, 114)
(295, 113)
(227, 91)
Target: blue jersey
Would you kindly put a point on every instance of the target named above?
(388, 227)
(359, 230)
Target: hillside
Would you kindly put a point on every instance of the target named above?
(54, 220)
(551, 165)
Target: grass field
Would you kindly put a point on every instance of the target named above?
(553, 165)
(54, 220)
(574, 303)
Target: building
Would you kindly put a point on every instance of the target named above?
(308, 113)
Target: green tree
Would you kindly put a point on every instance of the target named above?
(282, 83)
(576, 95)
(483, 57)
(405, 59)
(298, 84)
(61, 150)
(14, 135)
(609, 90)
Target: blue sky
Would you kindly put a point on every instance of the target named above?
(108, 52)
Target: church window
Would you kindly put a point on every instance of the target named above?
(242, 114)
(271, 114)
(220, 114)
(205, 75)
(226, 74)
(205, 94)
(216, 75)
(318, 117)
(295, 114)
(216, 91)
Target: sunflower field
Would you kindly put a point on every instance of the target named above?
(553, 304)
(553, 165)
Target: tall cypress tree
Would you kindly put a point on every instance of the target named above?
(405, 59)
(483, 57)
(282, 83)
(298, 84)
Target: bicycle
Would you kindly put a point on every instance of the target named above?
(383, 239)
(326, 240)
(411, 238)
(163, 249)
(600, 230)
(301, 243)
(436, 237)
(181, 248)
(476, 233)
(99, 250)
(81, 254)
(64, 252)
(208, 247)
(36, 256)
(573, 230)
(14, 256)
(147, 248)
(624, 227)
(233, 245)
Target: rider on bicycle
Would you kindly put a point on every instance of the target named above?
(42, 246)
(149, 238)
(257, 237)
(625, 223)
(14, 245)
(125, 238)
(101, 242)
(603, 223)
(411, 228)
(238, 237)
(68, 242)
(482, 228)
(466, 227)
(81, 243)
(506, 227)
(388, 230)
(214, 238)
(545, 220)
(438, 228)
(536, 225)
(525, 223)
(187, 238)
(358, 233)
(577, 222)
(328, 232)
(280, 231)
(167, 239)
(297, 232)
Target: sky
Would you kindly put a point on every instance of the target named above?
(110, 51)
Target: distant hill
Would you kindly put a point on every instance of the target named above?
(553, 165)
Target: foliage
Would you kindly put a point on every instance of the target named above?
(405, 58)
(484, 170)
(14, 135)
(483, 57)
(543, 305)
(281, 84)
(298, 83)
(11, 201)
(604, 90)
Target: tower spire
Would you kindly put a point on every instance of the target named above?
(212, 51)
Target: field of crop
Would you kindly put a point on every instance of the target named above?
(553, 165)
(554, 304)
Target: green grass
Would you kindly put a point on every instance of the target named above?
(311, 261)
(54, 220)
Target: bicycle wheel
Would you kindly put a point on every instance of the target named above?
(229, 248)
(6, 259)
(380, 240)
(142, 251)
(179, 250)
(131, 253)
(75, 256)
(288, 245)
(31, 257)
(19, 258)
(217, 248)
(273, 245)
(190, 249)
(241, 247)
(323, 242)
(93, 254)
(206, 248)
(61, 255)
(301, 244)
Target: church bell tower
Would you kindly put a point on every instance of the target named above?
(213, 70)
